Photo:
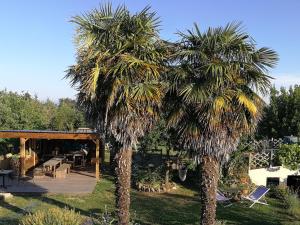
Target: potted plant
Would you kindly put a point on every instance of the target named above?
(244, 188)
(15, 164)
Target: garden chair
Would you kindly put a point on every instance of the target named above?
(221, 198)
(256, 195)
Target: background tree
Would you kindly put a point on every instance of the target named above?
(24, 112)
(212, 98)
(20, 111)
(289, 156)
(67, 116)
(119, 61)
(282, 115)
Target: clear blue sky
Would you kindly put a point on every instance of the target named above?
(36, 39)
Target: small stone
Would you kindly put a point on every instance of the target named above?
(5, 196)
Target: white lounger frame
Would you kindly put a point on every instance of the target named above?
(257, 200)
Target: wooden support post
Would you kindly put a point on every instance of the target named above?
(22, 156)
(167, 176)
(30, 147)
(97, 142)
(250, 161)
(34, 151)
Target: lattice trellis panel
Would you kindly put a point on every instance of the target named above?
(260, 160)
(263, 154)
(263, 145)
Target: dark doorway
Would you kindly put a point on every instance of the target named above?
(294, 183)
(272, 181)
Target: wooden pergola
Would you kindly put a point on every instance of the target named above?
(25, 135)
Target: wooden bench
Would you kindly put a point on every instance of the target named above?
(60, 172)
(66, 167)
(38, 172)
(63, 170)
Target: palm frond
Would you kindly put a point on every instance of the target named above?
(118, 69)
(213, 88)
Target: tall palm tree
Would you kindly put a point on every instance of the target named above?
(214, 98)
(119, 62)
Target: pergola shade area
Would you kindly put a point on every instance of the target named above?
(44, 142)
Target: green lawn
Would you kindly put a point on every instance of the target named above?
(177, 208)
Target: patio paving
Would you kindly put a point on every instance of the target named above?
(77, 182)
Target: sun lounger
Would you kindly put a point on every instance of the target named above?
(221, 198)
(256, 195)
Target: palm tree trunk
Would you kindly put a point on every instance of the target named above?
(123, 160)
(102, 147)
(115, 146)
(209, 175)
(112, 155)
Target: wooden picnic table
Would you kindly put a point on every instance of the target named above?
(52, 164)
(4, 173)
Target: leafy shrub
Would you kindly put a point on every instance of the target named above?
(106, 218)
(150, 179)
(289, 197)
(53, 216)
(220, 222)
(293, 204)
(151, 176)
(237, 166)
(291, 223)
(289, 156)
(279, 192)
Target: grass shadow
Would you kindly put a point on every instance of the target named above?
(165, 209)
(12, 208)
(240, 214)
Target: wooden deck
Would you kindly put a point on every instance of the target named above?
(77, 182)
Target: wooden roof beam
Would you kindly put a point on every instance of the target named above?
(50, 135)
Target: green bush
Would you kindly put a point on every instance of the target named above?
(291, 223)
(53, 216)
(151, 176)
(279, 192)
(289, 197)
(293, 204)
(289, 156)
(108, 218)
(237, 166)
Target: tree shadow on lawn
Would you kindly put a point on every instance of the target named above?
(41, 201)
(165, 209)
(16, 213)
(176, 209)
(9, 221)
(92, 204)
(240, 214)
(11, 207)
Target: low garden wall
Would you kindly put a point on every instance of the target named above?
(4, 163)
(30, 162)
(259, 176)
